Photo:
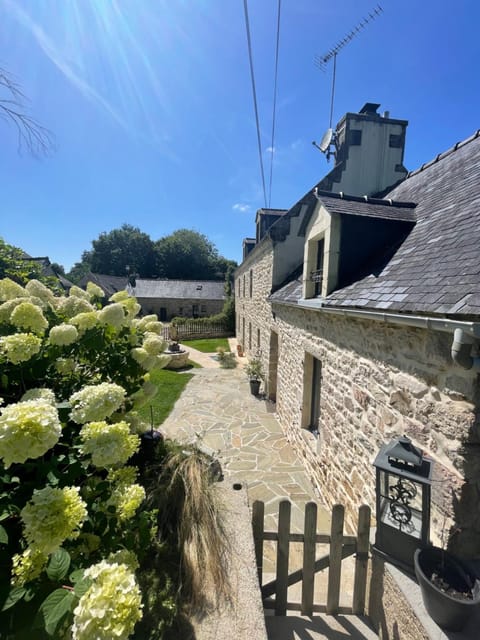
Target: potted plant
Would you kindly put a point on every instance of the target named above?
(450, 589)
(254, 371)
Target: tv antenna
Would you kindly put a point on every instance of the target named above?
(322, 61)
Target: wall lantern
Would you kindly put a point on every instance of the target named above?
(403, 484)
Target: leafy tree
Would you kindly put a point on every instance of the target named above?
(81, 268)
(16, 265)
(126, 247)
(58, 268)
(189, 255)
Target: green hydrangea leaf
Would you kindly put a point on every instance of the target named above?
(54, 608)
(3, 535)
(76, 575)
(59, 564)
(82, 587)
(14, 596)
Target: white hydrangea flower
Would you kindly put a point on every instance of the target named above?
(27, 566)
(145, 360)
(154, 327)
(39, 290)
(153, 344)
(79, 293)
(85, 321)
(119, 296)
(95, 291)
(111, 606)
(96, 402)
(108, 444)
(74, 305)
(20, 347)
(40, 394)
(52, 516)
(63, 334)
(7, 307)
(10, 289)
(141, 323)
(28, 429)
(112, 314)
(132, 307)
(28, 316)
(127, 498)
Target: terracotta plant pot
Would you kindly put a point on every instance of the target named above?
(450, 590)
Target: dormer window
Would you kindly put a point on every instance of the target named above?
(320, 270)
(317, 274)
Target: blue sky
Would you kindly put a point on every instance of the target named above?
(151, 106)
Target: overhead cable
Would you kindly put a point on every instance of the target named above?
(272, 146)
(250, 56)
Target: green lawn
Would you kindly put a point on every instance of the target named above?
(170, 386)
(209, 345)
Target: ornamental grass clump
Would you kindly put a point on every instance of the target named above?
(190, 511)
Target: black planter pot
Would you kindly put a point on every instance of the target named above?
(448, 611)
(255, 387)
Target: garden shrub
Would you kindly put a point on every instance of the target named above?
(74, 526)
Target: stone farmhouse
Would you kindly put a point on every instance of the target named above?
(166, 298)
(363, 303)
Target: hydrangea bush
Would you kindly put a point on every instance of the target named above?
(73, 523)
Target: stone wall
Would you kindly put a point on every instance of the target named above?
(180, 307)
(253, 313)
(381, 381)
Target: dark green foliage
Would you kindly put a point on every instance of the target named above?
(14, 265)
(81, 268)
(123, 248)
(183, 255)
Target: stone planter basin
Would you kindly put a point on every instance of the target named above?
(178, 359)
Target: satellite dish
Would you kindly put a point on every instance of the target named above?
(326, 141)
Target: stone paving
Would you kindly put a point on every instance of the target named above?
(217, 410)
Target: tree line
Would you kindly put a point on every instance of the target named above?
(183, 255)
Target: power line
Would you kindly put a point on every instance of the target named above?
(250, 57)
(272, 146)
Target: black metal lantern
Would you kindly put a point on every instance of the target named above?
(403, 483)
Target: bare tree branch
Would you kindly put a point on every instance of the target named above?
(37, 139)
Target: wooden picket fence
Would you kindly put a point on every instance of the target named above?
(198, 329)
(341, 547)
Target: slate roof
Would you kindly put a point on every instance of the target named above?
(436, 270)
(386, 209)
(272, 212)
(109, 284)
(179, 289)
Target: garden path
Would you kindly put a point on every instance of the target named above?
(217, 410)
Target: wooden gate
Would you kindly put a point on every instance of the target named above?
(341, 546)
